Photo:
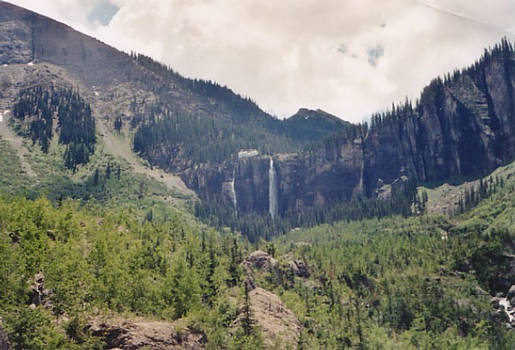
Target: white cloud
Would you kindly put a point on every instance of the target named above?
(302, 53)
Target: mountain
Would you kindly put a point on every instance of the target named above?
(99, 247)
(462, 126)
(190, 121)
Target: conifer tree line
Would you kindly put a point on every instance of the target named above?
(255, 226)
(210, 89)
(475, 194)
(435, 90)
(236, 123)
(36, 109)
(170, 139)
(165, 269)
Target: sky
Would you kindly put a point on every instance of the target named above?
(350, 58)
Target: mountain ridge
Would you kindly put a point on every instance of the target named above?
(132, 89)
(463, 125)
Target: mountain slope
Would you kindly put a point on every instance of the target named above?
(463, 126)
(146, 94)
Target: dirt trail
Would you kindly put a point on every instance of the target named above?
(15, 141)
(120, 146)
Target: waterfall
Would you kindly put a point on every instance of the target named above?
(229, 191)
(233, 191)
(272, 190)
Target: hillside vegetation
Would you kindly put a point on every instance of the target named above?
(418, 282)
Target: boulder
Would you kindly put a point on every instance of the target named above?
(511, 292)
(495, 302)
(479, 291)
(259, 260)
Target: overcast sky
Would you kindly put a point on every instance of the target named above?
(347, 57)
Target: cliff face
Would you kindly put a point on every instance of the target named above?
(463, 126)
(316, 178)
(26, 37)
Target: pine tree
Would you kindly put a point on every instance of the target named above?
(246, 322)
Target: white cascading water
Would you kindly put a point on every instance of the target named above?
(272, 190)
(233, 192)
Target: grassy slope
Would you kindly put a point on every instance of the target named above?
(445, 197)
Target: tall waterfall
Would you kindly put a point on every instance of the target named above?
(272, 190)
(233, 191)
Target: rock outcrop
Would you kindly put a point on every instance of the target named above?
(132, 335)
(299, 268)
(278, 323)
(259, 260)
(39, 295)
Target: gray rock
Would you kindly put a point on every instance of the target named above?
(445, 138)
(479, 291)
(495, 302)
(15, 42)
(39, 294)
(259, 260)
(511, 292)
(299, 268)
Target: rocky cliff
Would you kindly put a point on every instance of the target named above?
(462, 126)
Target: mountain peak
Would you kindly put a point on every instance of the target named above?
(306, 112)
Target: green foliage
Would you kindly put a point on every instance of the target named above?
(13, 178)
(391, 282)
(168, 139)
(33, 330)
(398, 282)
(117, 263)
(35, 111)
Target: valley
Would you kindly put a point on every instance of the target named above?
(140, 209)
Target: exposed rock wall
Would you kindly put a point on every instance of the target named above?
(141, 334)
